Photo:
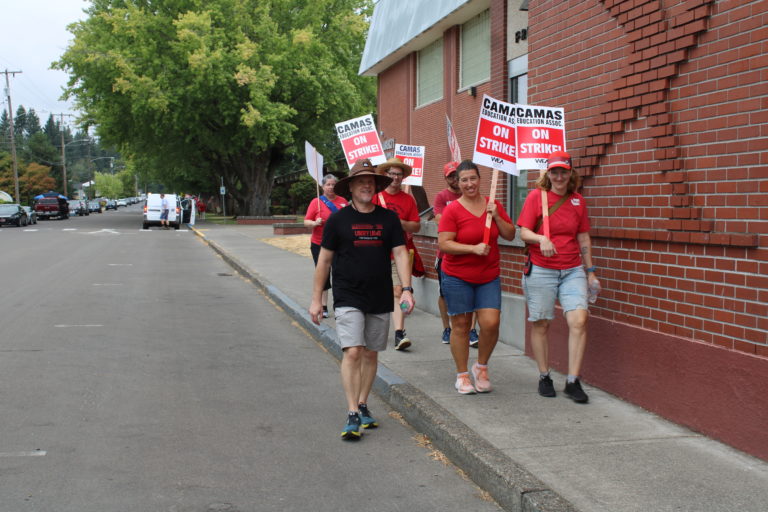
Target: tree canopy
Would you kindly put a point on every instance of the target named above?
(197, 90)
(39, 155)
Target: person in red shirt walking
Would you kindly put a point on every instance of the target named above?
(471, 280)
(443, 199)
(393, 198)
(555, 269)
(318, 211)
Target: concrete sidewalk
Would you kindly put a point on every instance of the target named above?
(530, 453)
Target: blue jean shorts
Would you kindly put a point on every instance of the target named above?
(543, 285)
(463, 297)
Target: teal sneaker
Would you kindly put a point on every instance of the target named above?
(366, 420)
(351, 430)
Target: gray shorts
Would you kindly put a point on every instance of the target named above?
(358, 329)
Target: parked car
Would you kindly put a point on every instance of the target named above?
(13, 215)
(152, 210)
(77, 207)
(94, 207)
(122, 202)
(111, 205)
(52, 208)
(31, 215)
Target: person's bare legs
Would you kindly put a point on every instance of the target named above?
(460, 341)
(540, 344)
(577, 339)
(489, 333)
(351, 375)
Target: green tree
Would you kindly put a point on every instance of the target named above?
(199, 90)
(108, 185)
(19, 124)
(32, 123)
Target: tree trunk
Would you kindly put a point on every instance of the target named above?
(250, 178)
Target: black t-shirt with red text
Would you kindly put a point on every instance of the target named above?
(361, 268)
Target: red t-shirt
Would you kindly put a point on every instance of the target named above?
(443, 199)
(317, 208)
(569, 220)
(404, 205)
(469, 230)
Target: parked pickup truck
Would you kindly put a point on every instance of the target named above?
(52, 207)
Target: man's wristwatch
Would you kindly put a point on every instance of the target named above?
(408, 289)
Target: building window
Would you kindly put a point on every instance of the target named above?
(476, 51)
(518, 93)
(429, 74)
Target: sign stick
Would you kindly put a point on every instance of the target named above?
(319, 178)
(545, 212)
(489, 218)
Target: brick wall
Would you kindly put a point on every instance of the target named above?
(666, 115)
(665, 107)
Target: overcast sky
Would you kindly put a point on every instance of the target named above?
(33, 33)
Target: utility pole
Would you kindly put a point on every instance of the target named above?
(17, 197)
(63, 153)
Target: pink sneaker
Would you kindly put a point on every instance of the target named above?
(480, 373)
(464, 385)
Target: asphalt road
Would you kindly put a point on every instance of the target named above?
(138, 372)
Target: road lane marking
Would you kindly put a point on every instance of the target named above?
(32, 230)
(78, 325)
(69, 229)
(103, 231)
(107, 284)
(120, 264)
(36, 453)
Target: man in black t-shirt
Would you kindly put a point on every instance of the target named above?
(357, 242)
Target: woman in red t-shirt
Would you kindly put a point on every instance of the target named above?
(471, 280)
(318, 211)
(555, 269)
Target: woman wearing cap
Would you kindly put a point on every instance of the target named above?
(318, 211)
(560, 267)
(471, 281)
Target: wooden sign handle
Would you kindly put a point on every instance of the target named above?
(489, 218)
(545, 212)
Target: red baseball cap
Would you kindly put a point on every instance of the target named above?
(449, 168)
(559, 159)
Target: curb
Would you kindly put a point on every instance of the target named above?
(513, 487)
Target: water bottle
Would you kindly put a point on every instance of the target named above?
(594, 289)
(404, 306)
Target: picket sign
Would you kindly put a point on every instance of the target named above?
(359, 139)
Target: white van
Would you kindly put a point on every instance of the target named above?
(152, 210)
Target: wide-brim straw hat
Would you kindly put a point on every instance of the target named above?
(362, 167)
(395, 162)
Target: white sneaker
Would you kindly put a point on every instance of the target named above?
(464, 385)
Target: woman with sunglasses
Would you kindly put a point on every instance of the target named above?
(560, 267)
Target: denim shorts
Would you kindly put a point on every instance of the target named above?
(463, 297)
(543, 285)
(358, 329)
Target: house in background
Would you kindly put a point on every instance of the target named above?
(667, 119)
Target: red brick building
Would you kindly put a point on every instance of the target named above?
(667, 117)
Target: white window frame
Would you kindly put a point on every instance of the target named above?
(432, 51)
(517, 186)
(479, 26)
